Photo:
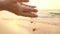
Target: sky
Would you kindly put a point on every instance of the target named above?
(45, 4)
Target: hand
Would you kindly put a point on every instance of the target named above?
(29, 6)
(22, 10)
(28, 11)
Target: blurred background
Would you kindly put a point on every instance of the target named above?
(46, 23)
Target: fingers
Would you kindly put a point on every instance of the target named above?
(29, 6)
(27, 11)
(34, 10)
(32, 6)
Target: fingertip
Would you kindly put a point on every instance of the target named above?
(35, 10)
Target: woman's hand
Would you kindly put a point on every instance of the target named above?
(22, 10)
(27, 11)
